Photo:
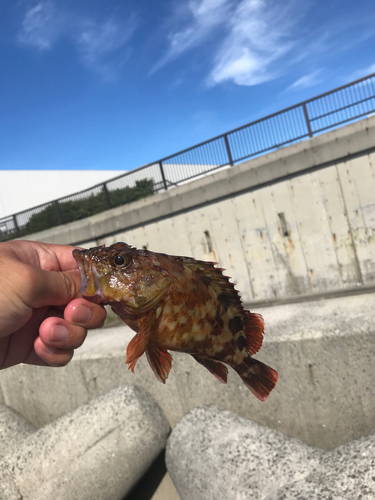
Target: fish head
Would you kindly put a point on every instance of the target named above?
(122, 274)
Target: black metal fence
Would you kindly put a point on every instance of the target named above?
(341, 105)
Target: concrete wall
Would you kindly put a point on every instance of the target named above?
(297, 221)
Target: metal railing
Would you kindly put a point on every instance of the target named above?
(303, 120)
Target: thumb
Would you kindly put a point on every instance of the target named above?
(55, 288)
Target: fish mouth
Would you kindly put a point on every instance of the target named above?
(90, 279)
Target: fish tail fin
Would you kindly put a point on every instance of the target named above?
(258, 377)
(254, 329)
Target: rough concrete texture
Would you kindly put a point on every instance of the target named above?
(324, 352)
(213, 454)
(97, 452)
(13, 430)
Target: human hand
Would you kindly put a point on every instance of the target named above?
(42, 320)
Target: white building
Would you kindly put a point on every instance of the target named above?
(24, 189)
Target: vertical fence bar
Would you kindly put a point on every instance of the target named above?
(58, 212)
(229, 153)
(162, 175)
(307, 119)
(16, 225)
(106, 196)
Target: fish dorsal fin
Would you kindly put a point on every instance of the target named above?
(215, 279)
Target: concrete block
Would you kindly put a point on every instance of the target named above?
(348, 472)
(213, 454)
(13, 430)
(97, 452)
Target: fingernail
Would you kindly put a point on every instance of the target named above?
(81, 314)
(58, 333)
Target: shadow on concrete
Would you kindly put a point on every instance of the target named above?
(149, 482)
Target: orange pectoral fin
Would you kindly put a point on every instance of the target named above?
(139, 342)
(160, 361)
(215, 367)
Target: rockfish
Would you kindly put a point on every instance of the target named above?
(177, 304)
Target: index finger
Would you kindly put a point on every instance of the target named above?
(46, 256)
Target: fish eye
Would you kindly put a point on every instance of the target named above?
(120, 260)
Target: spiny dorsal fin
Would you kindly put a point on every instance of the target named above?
(214, 278)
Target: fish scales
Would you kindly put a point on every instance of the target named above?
(180, 304)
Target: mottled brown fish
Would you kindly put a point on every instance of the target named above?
(177, 304)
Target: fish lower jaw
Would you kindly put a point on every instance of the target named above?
(97, 298)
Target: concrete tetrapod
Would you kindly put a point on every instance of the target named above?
(97, 452)
(213, 453)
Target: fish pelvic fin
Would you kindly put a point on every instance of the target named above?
(160, 361)
(254, 329)
(215, 367)
(139, 342)
(257, 377)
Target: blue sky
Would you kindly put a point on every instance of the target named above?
(106, 84)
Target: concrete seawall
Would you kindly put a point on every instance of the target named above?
(297, 221)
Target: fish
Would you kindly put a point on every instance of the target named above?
(177, 303)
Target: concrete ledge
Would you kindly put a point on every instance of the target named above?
(214, 454)
(320, 151)
(324, 352)
(97, 452)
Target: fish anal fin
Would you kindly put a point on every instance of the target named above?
(257, 377)
(254, 329)
(215, 367)
(139, 342)
(160, 361)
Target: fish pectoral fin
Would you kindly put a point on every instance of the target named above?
(160, 361)
(215, 367)
(139, 342)
(254, 329)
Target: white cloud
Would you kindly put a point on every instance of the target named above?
(306, 81)
(203, 17)
(42, 26)
(102, 46)
(252, 37)
(257, 37)
(360, 73)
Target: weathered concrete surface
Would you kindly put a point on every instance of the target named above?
(279, 227)
(213, 454)
(324, 352)
(14, 429)
(98, 452)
